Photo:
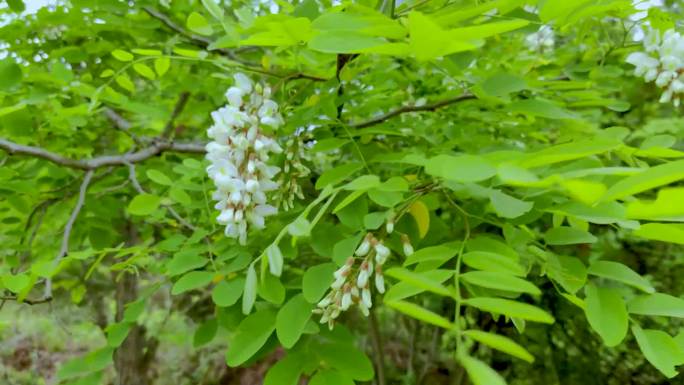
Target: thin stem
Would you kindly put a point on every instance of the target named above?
(457, 275)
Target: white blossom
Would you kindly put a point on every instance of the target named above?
(541, 41)
(238, 154)
(662, 62)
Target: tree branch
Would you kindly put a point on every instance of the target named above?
(201, 41)
(155, 148)
(64, 249)
(405, 109)
(177, 109)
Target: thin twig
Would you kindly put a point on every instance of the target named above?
(64, 249)
(177, 109)
(27, 301)
(122, 124)
(405, 109)
(198, 40)
(155, 148)
(136, 185)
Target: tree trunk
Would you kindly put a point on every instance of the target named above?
(132, 359)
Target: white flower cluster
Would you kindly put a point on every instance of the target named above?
(353, 286)
(239, 154)
(662, 62)
(541, 41)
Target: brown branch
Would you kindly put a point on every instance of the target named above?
(177, 109)
(27, 301)
(64, 248)
(155, 148)
(405, 109)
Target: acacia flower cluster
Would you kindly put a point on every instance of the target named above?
(352, 284)
(239, 152)
(662, 62)
(541, 41)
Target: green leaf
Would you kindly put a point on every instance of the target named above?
(117, 333)
(198, 24)
(428, 40)
(301, 227)
(192, 280)
(507, 206)
(147, 52)
(91, 362)
(362, 21)
(122, 55)
(510, 309)
(657, 304)
(420, 313)
(606, 313)
(569, 272)
(500, 343)
(568, 236)
(364, 182)
(403, 290)
(480, 373)
(180, 196)
(500, 281)
(205, 333)
(159, 177)
(420, 281)
(317, 281)
(214, 9)
(161, 65)
(540, 108)
(483, 260)
(17, 6)
(10, 74)
(666, 207)
(144, 71)
(286, 371)
(330, 377)
(659, 349)
(144, 204)
(354, 195)
(673, 233)
(271, 289)
(354, 42)
(250, 336)
(125, 82)
(567, 151)
(227, 293)
(441, 253)
(347, 359)
(646, 180)
(337, 174)
(621, 273)
(16, 283)
(464, 168)
(275, 259)
(250, 291)
(559, 10)
(503, 84)
(292, 319)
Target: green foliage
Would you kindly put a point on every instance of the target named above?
(518, 191)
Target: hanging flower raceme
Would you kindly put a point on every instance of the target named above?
(239, 154)
(662, 62)
(541, 41)
(353, 281)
